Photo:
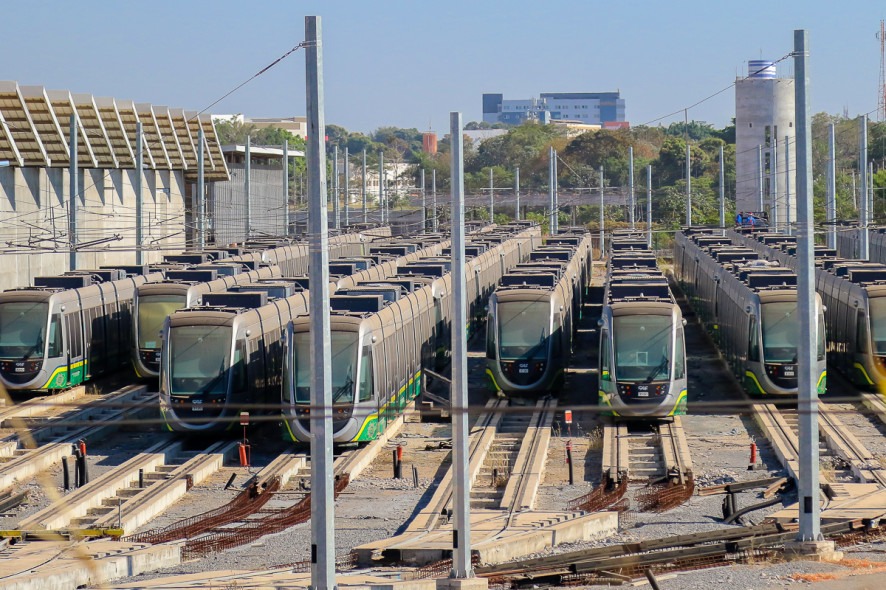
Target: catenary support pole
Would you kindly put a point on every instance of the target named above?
(863, 217)
(73, 190)
(363, 190)
(831, 208)
(461, 494)
(201, 192)
(381, 185)
(286, 188)
(335, 189)
(649, 206)
(247, 189)
(347, 176)
(631, 184)
(556, 195)
(491, 196)
(140, 190)
(434, 198)
(322, 502)
(810, 525)
(424, 210)
(788, 218)
(517, 193)
(759, 178)
(722, 190)
(551, 211)
(773, 189)
(602, 220)
(688, 184)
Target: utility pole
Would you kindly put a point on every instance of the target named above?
(649, 206)
(322, 500)
(461, 489)
(631, 183)
(363, 190)
(381, 185)
(424, 213)
(602, 222)
(787, 187)
(760, 177)
(201, 195)
(286, 188)
(832, 191)
(722, 190)
(347, 163)
(517, 192)
(73, 189)
(552, 212)
(863, 196)
(810, 526)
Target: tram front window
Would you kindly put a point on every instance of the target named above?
(152, 312)
(781, 332)
(878, 324)
(523, 330)
(642, 347)
(200, 356)
(22, 329)
(344, 367)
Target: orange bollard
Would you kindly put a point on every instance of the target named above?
(244, 461)
(753, 462)
(399, 453)
(82, 444)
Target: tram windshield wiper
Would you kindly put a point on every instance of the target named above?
(661, 367)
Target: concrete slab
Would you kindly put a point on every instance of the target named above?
(855, 501)
(462, 584)
(812, 551)
(273, 579)
(45, 565)
(496, 536)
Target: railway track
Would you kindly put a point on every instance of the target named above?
(836, 441)
(23, 455)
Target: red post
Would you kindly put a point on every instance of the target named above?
(753, 462)
(399, 453)
(82, 444)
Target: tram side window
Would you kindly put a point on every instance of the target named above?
(604, 357)
(490, 337)
(861, 333)
(365, 374)
(753, 340)
(75, 341)
(680, 357)
(239, 367)
(55, 337)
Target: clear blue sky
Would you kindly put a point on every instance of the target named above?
(408, 64)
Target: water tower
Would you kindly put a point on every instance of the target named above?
(764, 115)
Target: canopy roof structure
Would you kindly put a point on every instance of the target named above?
(35, 132)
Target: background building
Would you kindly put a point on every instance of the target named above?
(764, 115)
(592, 108)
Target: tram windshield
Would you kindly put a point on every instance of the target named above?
(642, 347)
(22, 329)
(344, 367)
(199, 359)
(152, 312)
(781, 332)
(523, 330)
(878, 324)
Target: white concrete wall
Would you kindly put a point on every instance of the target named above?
(760, 103)
(34, 208)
